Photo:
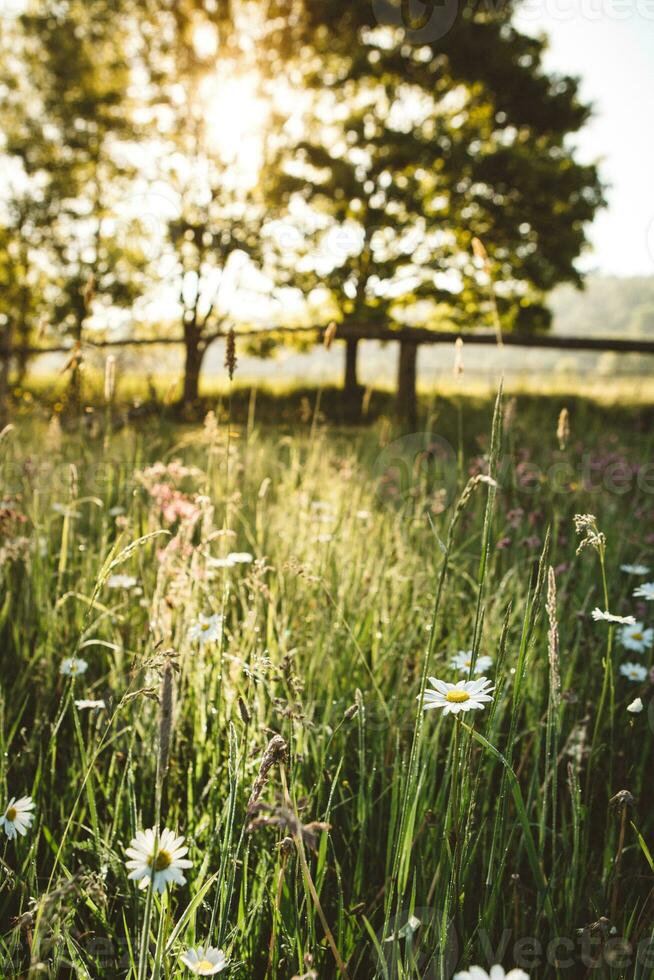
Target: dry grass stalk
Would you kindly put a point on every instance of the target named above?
(458, 358)
(165, 723)
(553, 639)
(110, 379)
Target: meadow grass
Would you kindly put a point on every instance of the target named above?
(334, 828)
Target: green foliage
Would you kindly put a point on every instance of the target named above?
(67, 125)
(417, 148)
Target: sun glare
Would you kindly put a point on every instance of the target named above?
(235, 120)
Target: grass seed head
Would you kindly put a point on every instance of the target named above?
(230, 354)
(563, 429)
(276, 751)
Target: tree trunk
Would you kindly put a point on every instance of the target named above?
(351, 382)
(194, 355)
(407, 410)
(351, 387)
(5, 368)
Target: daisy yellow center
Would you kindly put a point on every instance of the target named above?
(162, 861)
(205, 626)
(457, 697)
(11, 813)
(636, 636)
(205, 965)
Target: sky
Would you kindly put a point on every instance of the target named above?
(610, 45)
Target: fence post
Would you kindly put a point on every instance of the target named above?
(351, 387)
(407, 409)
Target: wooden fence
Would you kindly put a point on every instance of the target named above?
(409, 339)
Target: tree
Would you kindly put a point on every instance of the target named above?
(201, 101)
(68, 129)
(421, 139)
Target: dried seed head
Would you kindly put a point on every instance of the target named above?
(230, 354)
(89, 291)
(351, 712)
(622, 799)
(586, 525)
(275, 752)
(458, 357)
(479, 251)
(243, 710)
(330, 333)
(509, 414)
(563, 429)
(288, 821)
(73, 481)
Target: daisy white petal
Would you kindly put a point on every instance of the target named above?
(462, 696)
(635, 707)
(633, 672)
(240, 557)
(204, 961)
(463, 661)
(635, 569)
(73, 666)
(17, 816)
(496, 973)
(90, 705)
(636, 638)
(208, 629)
(604, 616)
(121, 582)
(645, 591)
(159, 862)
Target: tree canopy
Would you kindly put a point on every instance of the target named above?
(387, 147)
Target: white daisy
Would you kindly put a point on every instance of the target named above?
(240, 558)
(73, 666)
(608, 617)
(207, 629)
(90, 705)
(165, 856)
(635, 707)
(645, 591)
(633, 672)
(204, 962)
(635, 569)
(17, 816)
(121, 582)
(462, 696)
(463, 661)
(496, 973)
(636, 638)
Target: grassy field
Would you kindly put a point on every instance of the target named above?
(255, 614)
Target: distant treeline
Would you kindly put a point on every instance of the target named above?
(609, 305)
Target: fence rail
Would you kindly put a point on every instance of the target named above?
(412, 335)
